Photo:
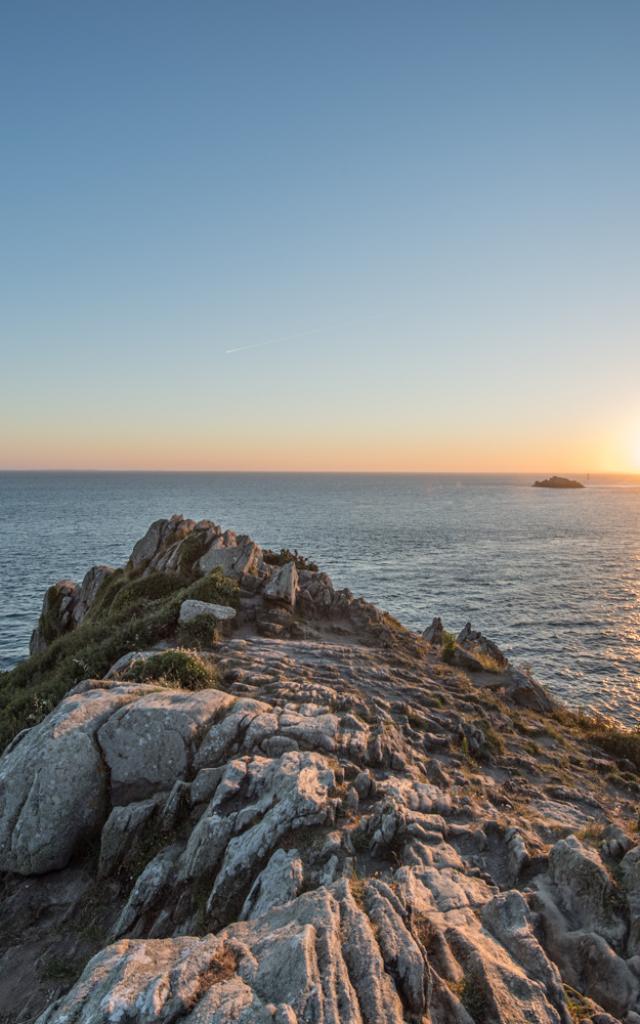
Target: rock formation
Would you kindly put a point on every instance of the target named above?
(559, 483)
(275, 805)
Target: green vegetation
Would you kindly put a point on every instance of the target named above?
(130, 613)
(50, 615)
(275, 558)
(473, 996)
(449, 647)
(203, 631)
(191, 549)
(61, 970)
(613, 739)
(494, 740)
(578, 1005)
(179, 668)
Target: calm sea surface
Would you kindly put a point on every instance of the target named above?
(553, 577)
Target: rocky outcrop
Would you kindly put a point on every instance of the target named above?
(559, 483)
(485, 650)
(350, 828)
(56, 616)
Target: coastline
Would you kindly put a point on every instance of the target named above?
(297, 759)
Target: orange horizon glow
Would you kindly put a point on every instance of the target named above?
(400, 445)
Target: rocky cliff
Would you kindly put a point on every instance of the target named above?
(232, 793)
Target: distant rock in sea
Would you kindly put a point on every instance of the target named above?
(559, 483)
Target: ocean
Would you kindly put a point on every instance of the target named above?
(552, 576)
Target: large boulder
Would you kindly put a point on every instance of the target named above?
(54, 785)
(150, 743)
(235, 560)
(283, 585)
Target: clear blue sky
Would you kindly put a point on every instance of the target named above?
(436, 204)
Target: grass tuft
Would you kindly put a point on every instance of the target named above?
(179, 668)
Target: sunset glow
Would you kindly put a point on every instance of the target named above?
(237, 261)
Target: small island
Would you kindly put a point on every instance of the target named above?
(559, 483)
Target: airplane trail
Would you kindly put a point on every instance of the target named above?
(275, 341)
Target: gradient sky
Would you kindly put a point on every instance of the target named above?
(436, 205)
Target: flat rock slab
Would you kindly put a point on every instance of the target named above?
(191, 609)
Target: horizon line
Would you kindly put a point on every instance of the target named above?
(328, 472)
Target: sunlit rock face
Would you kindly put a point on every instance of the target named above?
(310, 815)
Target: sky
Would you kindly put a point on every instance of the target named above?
(399, 236)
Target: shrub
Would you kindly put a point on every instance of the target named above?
(191, 549)
(216, 588)
(203, 631)
(181, 668)
(285, 555)
(139, 593)
(621, 743)
(449, 647)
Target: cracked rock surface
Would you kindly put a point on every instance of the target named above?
(347, 829)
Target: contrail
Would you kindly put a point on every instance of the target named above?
(276, 341)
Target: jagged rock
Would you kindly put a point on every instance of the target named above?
(283, 585)
(280, 882)
(615, 843)
(585, 960)
(158, 536)
(508, 919)
(234, 560)
(522, 689)
(88, 590)
(479, 646)
(585, 890)
(630, 878)
(434, 634)
(316, 959)
(190, 610)
(292, 793)
(120, 830)
(497, 985)
(148, 887)
(56, 616)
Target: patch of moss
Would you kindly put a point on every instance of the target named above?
(181, 668)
